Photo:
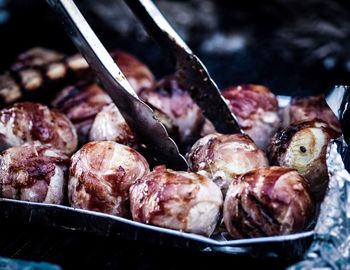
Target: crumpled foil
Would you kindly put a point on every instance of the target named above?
(331, 246)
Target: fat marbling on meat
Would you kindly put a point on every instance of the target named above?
(101, 174)
(268, 201)
(34, 172)
(177, 200)
(28, 122)
(224, 157)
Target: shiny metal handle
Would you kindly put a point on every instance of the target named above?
(89, 44)
(137, 114)
(157, 25)
(192, 73)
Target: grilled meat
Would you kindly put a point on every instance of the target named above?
(81, 103)
(34, 172)
(101, 174)
(303, 146)
(170, 98)
(310, 108)
(224, 157)
(268, 201)
(29, 122)
(183, 201)
(256, 109)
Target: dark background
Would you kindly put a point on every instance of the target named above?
(293, 47)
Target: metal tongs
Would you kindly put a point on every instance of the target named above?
(190, 70)
(137, 114)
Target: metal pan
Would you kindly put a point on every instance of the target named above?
(58, 216)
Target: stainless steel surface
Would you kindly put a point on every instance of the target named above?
(190, 70)
(138, 115)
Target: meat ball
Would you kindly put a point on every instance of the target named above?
(268, 201)
(311, 108)
(303, 146)
(136, 72)
(29, 122)
(110, 125)
(81, 104)
(183, 201)
(169, 97)
(40, 72)
(10, 90)
(224, 157)
(34, 172)
(36, 57)
(101, 174)
(256, 109)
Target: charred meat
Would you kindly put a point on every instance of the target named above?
(35, 173)
(310, 108)
(30, 122)
(224, 157)
(256, 109)
(81, 104)
(183, 201)
(268, 201)
(101, 174)
(303, 146)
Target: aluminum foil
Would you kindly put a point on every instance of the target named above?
(331, 247)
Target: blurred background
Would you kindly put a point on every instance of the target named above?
(289, 45)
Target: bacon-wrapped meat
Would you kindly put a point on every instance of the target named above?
(101, 174)
(28, 122)
(183, 201)
(45, 71)
(169, 97)
(303, 109)
(37, 65)
(41, 72)
(10, 91)
(81, 104)
(136, 72)
(256, 109)
(109, 125)
(303, 146)
(268, 201)
(34, 172)
(224, 157)
(33, 69)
